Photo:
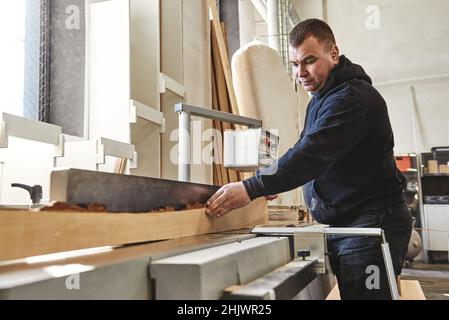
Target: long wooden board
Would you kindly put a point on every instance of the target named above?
(25, 233)
(223, 55)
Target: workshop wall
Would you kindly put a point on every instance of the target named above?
(397, 40)
(400, 44)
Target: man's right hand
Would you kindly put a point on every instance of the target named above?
(271, 198)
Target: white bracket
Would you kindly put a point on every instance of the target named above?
(12, 125)
(165, 82)
(101, 157)
(3, 134)
(133, 161)
(138, 109)
(108, 147)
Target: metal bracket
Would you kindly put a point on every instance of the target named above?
(316, 243)
(185, 113)
(314, 239)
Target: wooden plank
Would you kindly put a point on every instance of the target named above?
(223, 96)
(220, 172)
(25, 233)
(410, 290)
(120, 165)
(223, 55)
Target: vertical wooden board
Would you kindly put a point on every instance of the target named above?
(109, 58)
(223, 55)
(197, 70)
(172, 66)
(145, 52)
(169, 148)
(145, 69)
(171, 39)
(220, 173)
(145, 136)
(223, 102)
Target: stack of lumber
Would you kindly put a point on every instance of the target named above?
(223, 97)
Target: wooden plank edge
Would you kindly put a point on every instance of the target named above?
(25, 234)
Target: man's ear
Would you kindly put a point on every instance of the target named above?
(335, 54)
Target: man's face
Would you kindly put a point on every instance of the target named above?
(312, 62)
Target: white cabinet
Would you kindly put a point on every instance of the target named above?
(437, 227)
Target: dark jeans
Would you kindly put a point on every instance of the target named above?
(352, 258)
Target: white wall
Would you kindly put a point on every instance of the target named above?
(27, 162)
(125, 63)
(412, 41)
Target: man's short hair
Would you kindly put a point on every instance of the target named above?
(312, 27)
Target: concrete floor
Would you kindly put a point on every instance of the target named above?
(433, 278)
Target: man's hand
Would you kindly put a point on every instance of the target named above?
(227, 198)
(271, 198)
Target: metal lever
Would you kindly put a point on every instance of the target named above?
(34, 191)
(303, 253)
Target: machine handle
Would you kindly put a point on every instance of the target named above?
(303, 253)
(34, 191)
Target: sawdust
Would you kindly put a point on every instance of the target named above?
(62, 206)
(189, 206)
(93, 207)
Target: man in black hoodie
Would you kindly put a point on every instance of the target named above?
(344, 159)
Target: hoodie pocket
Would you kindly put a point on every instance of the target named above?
(321, 211)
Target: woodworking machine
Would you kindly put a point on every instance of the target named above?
(239, 264)
(253, 263)
(223, 265)
(259, 263)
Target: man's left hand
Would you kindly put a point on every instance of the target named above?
(229, 197)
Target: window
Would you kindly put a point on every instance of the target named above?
(24, 59)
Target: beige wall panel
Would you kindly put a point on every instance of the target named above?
(171, 39)
(169, 148)
(414, 46)
(172, 66)
(145, 68)
(197, 69)
(146, 139)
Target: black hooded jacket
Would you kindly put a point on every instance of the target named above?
(344, 156)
